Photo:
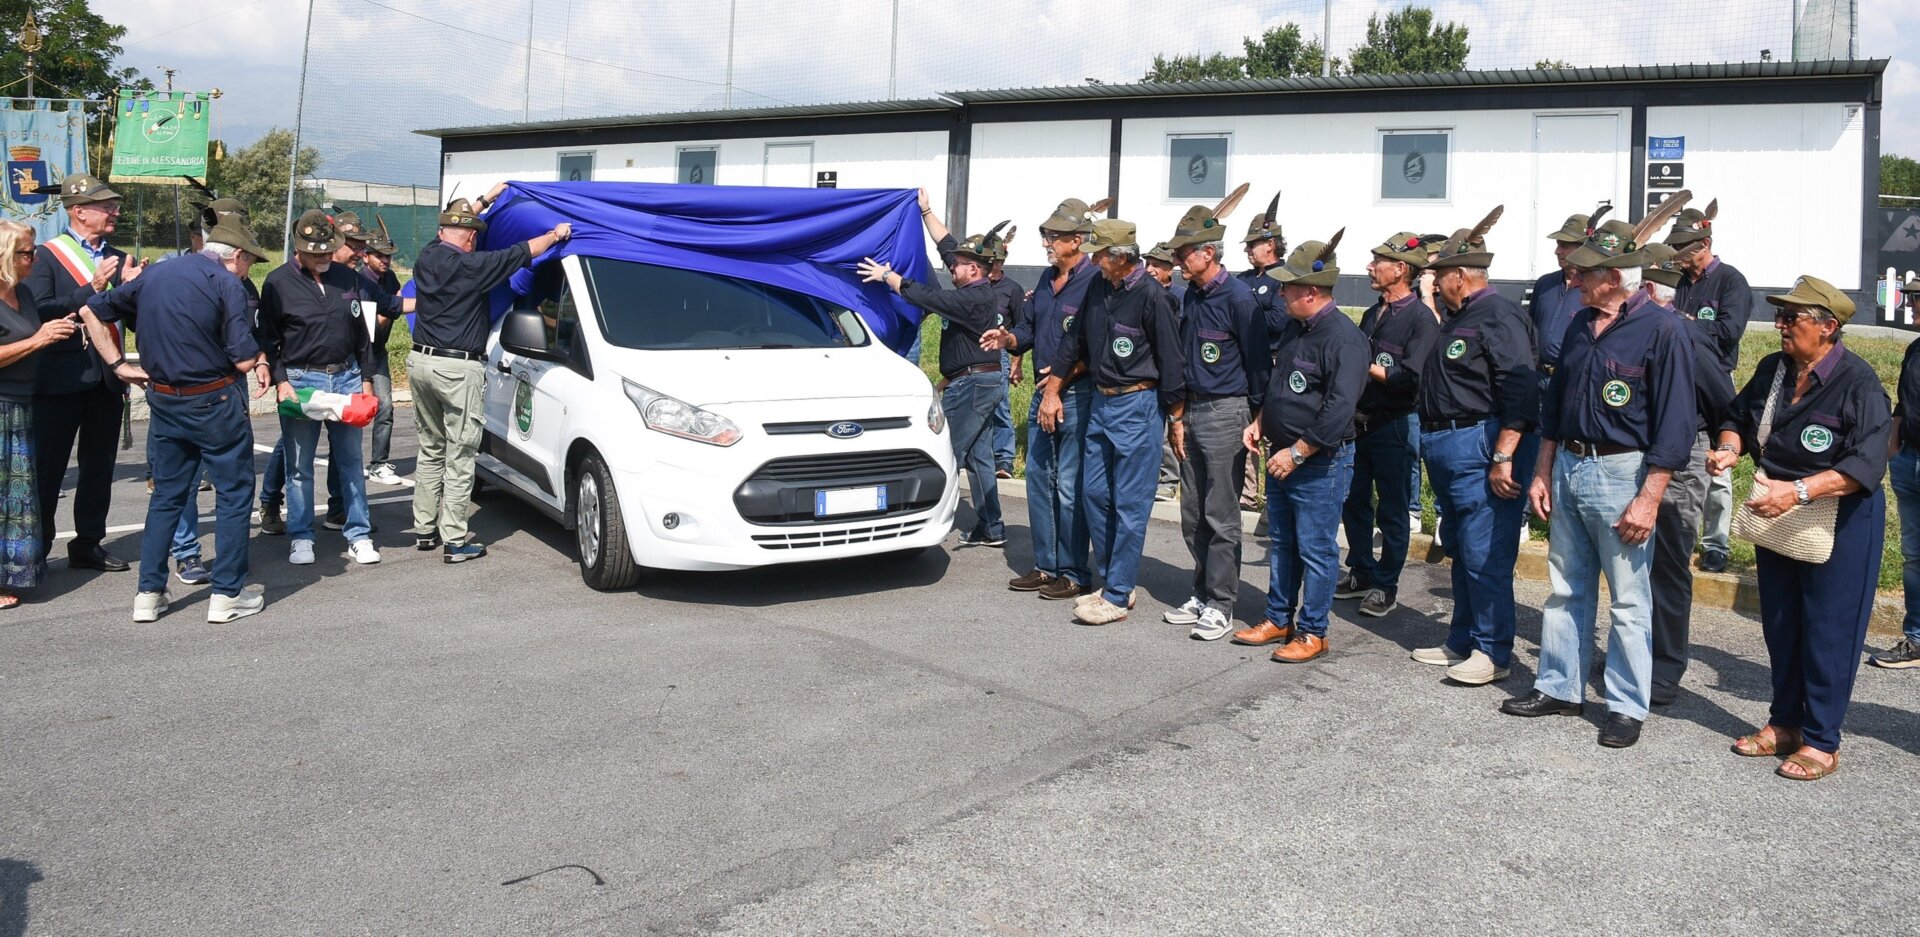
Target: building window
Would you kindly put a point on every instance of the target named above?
(1413, 163)
(1197, 165)
(576, 167)
(696, 165)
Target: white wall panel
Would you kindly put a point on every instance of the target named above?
(1021, 171)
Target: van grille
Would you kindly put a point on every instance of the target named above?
(782, 491)
(838, 536)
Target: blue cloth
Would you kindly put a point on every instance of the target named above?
(192, 317)
(210, 430)
(806, 240)
(1589, 495)
(343, 447)
(1056, 515)
(1122, 460)
(1481, 532)
(1381, 496)
(1303, 551)
(1904, 476)
(1632, 386)
(968, 402)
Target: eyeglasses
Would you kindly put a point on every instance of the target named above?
(1790, 316)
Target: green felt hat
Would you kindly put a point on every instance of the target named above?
(1202, 225)
(1693, 225)
(315, 233)
(1409, 248)
(1813, 291)
(350, 226)
(1660, 266)
(1161, 253)
(81, 189)
(1311, 264)
(1266, 226)
(234, 231)
(984, 247)
(1617, 244)
(1574, 230)
(1074, 216)
(460, 214)
(1111, 232)
(1468, 246)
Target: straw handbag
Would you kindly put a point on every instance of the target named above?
(1805, 531)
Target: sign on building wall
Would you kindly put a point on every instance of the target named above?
(1413, 164)
(576, 167)
(160, 136)
(1666, 147)
(1197, 167)
(696, 165)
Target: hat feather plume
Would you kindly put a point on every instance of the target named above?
(1273, 209)
(1010, 233)
(1660, 216)
(383, 227)
(1101, 206)
(1232, 201)
(994, 232)
(1326, 253)
(1713, 210)
(1593, 221)
(1479, 232)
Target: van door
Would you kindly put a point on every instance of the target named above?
(527, 397)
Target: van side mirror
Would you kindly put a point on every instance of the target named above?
(524, 333)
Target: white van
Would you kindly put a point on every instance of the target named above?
(683, 420)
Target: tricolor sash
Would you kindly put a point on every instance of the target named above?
(80, 265)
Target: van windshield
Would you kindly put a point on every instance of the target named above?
(657, 308)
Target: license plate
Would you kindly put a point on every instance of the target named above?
(849, 501)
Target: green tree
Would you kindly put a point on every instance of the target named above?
(77, 55)
(1552, 64)
(1899, 176)
(1408, 41)
(257, 176)
(1280, 52)
(1215, 67)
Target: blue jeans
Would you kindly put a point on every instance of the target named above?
(1904, 475)
(969, 401)
(302, 438)
(273, 483)
(1481, 533)
(1589, 495)
(1379, 498)
(210, 431)
(1303, 556)
(1003, 423)
(1118, 470)
(1055, 514)
(1413, 467)
(186, 537)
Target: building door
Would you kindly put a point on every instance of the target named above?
(1576, 165)
(789, 164)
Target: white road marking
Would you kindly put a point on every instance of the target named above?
(318, 511)
(404, 482)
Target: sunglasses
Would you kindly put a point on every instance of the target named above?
(1790, 316)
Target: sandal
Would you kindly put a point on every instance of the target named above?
(1765, 742)
(1810, 769)
(8, 600)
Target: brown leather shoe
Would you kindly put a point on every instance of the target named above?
(1062, 588)
(1265, 632)
(1301, 649)
(1031, 582)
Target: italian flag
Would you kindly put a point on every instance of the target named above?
(310, 404)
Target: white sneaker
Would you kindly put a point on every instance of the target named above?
(1133, 598)
(1188, 612)
(1100, 612)
(1413, 522)
(1212, 626)
(1438, 656)
(147, 606)
(383, 474)
(1477, 670)
(301, 554)
(225, 608)
(362, 552)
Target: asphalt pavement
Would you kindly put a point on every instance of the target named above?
(890, 747)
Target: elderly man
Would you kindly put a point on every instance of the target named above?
(1716, 298)
(1555, 297)
(198, 342)
(75, 398)
(1224, 341)
(1056, 515)
(1400, 331)
(1307, 420)
(1478, 399)
(1129, 339)
(1013, 301)
(448, 367)
(1618, 421)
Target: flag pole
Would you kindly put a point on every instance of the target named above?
(299, 109)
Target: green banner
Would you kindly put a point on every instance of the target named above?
(161, 136)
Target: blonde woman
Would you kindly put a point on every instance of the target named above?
(22, 334)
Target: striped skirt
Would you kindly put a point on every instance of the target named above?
(20, 559)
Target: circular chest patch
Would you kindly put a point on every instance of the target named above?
(1123, 347)
(1209, 352)
(1263, 289)
(1458, 348)
(1383, 359)
(1297, 382)
(1616, 393)
(1066, 324)
(1816, 439)
(1706, 313)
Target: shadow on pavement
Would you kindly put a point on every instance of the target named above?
(16, 876)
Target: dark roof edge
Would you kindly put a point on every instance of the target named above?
(845, 109)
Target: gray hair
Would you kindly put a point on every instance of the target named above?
(1125, 253)
(1661, 293)
(221, 252)
(1629, 278)
(1479, 273)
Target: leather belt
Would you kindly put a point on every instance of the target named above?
(1465, 422)
(1135, 387)
(447, 353)
(1364, 423)
(975, 369)
(324, 369)
(1586, 449)
(194, 390)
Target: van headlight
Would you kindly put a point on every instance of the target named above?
(664, 414)
(936, 417)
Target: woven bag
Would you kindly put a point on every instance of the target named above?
(1805, 531)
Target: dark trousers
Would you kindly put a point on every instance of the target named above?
(1210, 497)
(1675, 529)
(211, 430)
(90, 418)
(1380, 496)
(1814, 617)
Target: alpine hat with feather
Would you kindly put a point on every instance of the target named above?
(1311, 264)
(1616, 244)
(983, 247)
(1661, 267)
(1112, 232)
(1409, 248)
(315, 233)
(1202, 225)
(1266, 226)
(1693, 225)
(1074, 216)
(1468, 246)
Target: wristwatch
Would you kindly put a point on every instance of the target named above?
(1501, 458)
(1800, 491)
(1295, 452)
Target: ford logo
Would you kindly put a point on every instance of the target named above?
(846, 430)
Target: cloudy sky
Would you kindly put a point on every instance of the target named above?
(382, 68)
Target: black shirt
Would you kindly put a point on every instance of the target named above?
(1316, 382)
(18, 325)
(1630, 386)
(1225, 337)
(70, 365)
(1482, 365)
(1266, 301)
(1551, 307)
(314, 322)
(1015, 297)
(1719, 305)
(1127, 333)
(1906, 408)
(1841, 424)
(1400, 337)
(450, 293)
(1712, 387)
(965, 313)
(192, 317)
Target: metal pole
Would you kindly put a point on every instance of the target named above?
(526, 87)
(29, 74)
(299, 108)
(732, 7)
(893, 56)
(1326, 41)
(1793, 31)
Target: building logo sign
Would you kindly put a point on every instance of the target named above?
(1414, 168)
(1197, 169)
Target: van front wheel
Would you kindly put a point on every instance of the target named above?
(600, 532)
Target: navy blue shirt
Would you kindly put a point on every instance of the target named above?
(1267, 301)
(1228, 352)
(1050, 313)
(1630, 386)
(1719, 304)
(1128, 333)
(1014, 297)
(1400, 337)
(1552, 305)
(1906, 406)
(192, 317)
(965, 313)
(69, 365)
(1482, 365)
(1841, 424)
(1712, 387)
(1316, 382)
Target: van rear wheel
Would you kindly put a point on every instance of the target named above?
(600, 531)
